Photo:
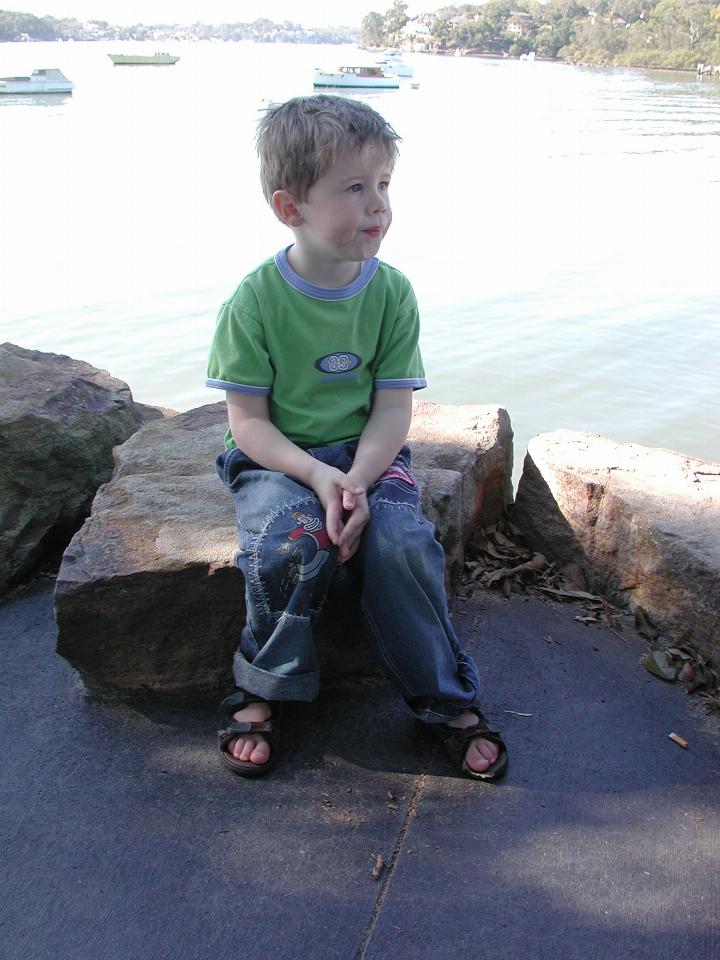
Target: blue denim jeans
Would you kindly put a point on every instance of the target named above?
(289, 565)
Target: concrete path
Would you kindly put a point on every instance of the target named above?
(124, 839)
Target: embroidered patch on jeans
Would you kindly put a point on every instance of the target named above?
(308, 526)
(396, 472)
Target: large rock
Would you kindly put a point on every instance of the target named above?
(59, 420)
(463, 456)
(643, 523)
(148, 598)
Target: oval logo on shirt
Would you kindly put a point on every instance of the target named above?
(338, 362)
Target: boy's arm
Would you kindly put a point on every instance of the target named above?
(383, 435)
(260, 439)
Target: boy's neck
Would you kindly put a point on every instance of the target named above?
(321, 272)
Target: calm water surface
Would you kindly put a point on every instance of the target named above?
(559, 225)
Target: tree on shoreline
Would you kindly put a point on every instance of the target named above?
(384, 30)
(372, 30)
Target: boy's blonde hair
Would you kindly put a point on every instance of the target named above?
(299, 140)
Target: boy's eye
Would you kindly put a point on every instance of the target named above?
(355, 188)
(384, 184)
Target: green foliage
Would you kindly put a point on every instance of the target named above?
(684, 23)
(372, 30)
(653, 33)
(384, 30)
(396, 18)
(14, 25)
(631, 10)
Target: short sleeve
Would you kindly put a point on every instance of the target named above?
(239, 357)
(399, 363)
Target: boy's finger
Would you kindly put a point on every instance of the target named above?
(352, 487)
(353, 528)
(333, 521)
(348, 500)
(348, 549)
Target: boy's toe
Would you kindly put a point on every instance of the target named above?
(260, 752)
(481, 754)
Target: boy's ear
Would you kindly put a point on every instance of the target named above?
(286, 208)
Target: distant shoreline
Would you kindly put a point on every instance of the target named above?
(343, 42)
(558, 60)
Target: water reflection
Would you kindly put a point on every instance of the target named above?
(34, 99)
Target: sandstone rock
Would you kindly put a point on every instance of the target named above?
(148, 598)
(59, 420)
(643, 523)
(474, 445)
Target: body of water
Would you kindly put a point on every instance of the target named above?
(558, 224)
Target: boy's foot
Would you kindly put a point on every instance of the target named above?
(472, 748)
(480, 753)
(248, 743)
(251, 746)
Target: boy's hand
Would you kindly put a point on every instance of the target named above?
(359, 514)
(338, 493)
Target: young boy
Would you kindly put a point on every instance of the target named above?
(317, 351)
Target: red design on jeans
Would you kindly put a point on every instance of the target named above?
(397, 472)
(320, 537)
(311, 527)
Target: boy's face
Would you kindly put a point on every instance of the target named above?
(347, 212)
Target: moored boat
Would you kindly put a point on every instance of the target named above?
(140, 59)
(48, 80)
(356, 78)
(392, 62)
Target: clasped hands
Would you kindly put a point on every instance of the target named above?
(344, 500)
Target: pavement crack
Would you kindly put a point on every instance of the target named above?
(419, 788)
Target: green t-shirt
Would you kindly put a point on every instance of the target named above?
(317, 353)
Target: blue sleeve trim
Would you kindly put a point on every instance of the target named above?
(239, 387)
(419, 383)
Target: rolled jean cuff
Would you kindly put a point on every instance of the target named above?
(274, 686)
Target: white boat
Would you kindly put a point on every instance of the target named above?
(140, 59)
(355, 77)
(392, 62)
(49, 80)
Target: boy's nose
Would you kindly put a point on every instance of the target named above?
(377, 204)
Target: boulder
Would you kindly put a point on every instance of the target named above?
(148, 598)
(642, 523)
(463, 456)
(59, 420)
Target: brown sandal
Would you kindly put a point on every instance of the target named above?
(456, 740)
(234, 728)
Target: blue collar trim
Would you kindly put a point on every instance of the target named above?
(367, 272)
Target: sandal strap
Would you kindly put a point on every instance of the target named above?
(476, 730)
(480, 728)
(234, 703)
(250, 726)
(240, 699)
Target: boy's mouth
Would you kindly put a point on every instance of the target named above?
(373, 231)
